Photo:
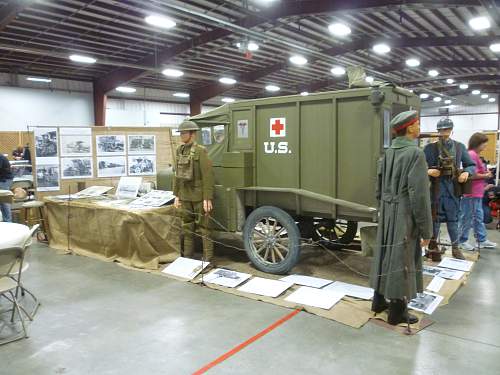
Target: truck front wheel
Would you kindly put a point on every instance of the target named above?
(272, 240)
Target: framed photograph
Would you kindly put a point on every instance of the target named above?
(110, 144)
(141, 144)
(45, 143)
(47, 176)
(111, 166)
(76, 145)
(128, 187)
(76, 168)
(142, 165)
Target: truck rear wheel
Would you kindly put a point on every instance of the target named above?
(333, 234)
(272, 240)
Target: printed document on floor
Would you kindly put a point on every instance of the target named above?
(456, 264)
(425, 302)
(313, 282)
(227, 278)
(451, 274)
(185, 268)
(265, 287)
(322, 298)
(351, 290)
(436, 284)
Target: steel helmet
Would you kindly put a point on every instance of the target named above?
(445, 123)
(187, 126)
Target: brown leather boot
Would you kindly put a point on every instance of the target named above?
(379, 303)
(457, 253)
(433, 252)
(398, 313)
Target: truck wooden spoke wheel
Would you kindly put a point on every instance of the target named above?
(334, 234)
(272, 240)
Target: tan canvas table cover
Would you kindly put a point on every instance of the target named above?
(137, 238)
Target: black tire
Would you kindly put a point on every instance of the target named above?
(336, 233)
(267, 232)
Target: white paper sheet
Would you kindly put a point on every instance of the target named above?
(456, 264)
(351, 290)
(313, 282)
(128, 187)
(265, 287)
(436, 284)
(322, 298)
(185, 268)
(431, 270)
(155, 198)
(227, 278)
(451, 274)
(94, 191)
(425, 302)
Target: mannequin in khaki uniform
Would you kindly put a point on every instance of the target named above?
(194, 190)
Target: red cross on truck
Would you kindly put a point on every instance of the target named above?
(277, 127)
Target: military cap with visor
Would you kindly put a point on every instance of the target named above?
(188, 126)
(445, 123)
(404, 120)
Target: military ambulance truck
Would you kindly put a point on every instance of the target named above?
(297, 167)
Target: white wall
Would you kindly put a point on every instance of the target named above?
(20, 107)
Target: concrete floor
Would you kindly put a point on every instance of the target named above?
(98, 318)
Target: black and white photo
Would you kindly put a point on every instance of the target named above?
(111, 166)
(425, 302)
(128, 187)
(46, 142)
(76, 145)
(76, 168)
(110, 144)
(47, 176)
(141, 144)
(141, 165)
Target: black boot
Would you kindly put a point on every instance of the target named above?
(379, 303)
(398, 313)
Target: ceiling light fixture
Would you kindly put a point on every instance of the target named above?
(485, 96)
(169, 72)
(480, 23)
(437, 99)
(369, 79)
(338, 71)
(476, 92)
(464, 86)
(495, 47)
(228, 100)
(272, 88)
(304, 93)
(424, 96)
(82, 59)
(181, 95)
(433, 73)
(413, 63)
(298, 60)
(492, 100)
(339, 29)
(250, 46)
(450, 81)
(125, 89)
(227, 80)
(160, 21)
(381, 48)
(39, 79)
(447, 101)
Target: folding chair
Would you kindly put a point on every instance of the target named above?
(16, 275)
(9, 259)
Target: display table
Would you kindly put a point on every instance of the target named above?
(109, 230)
(13, 235)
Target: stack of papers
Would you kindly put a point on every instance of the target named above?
(351, 290)
(322, 298)
(456, 264)
(227, 278)
(265, 287)
(313, 282)
(185, 268)
(155, 198)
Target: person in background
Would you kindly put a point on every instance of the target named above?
(471, 205)
(18, 153)
(6, 179)
(27, 153)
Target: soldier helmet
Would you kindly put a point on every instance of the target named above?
(445, 123)
(187, 126)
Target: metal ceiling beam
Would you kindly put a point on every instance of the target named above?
(10, 11)
(243, 26)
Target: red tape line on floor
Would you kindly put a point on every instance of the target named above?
(244, 344)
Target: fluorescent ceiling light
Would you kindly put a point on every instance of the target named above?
(450, 81)
(437, 99)
(485, 96)
(39, 79)
(125, 89)
(492, 100)
(272, 88)
(433, 73)
(338, 71)
(251, 46)
(228, 100)
(447, 101)
(181, 95)
(381, 48)
(464, 86)
(480, 23)
(227, 80)
(495, 47)
(82, 59)
(339, 29)
(369, 79)
(173, 73)
(413, 63)
(424, 96)
(304, 93)
(298, 60)
(476, 92)
(160, 21)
